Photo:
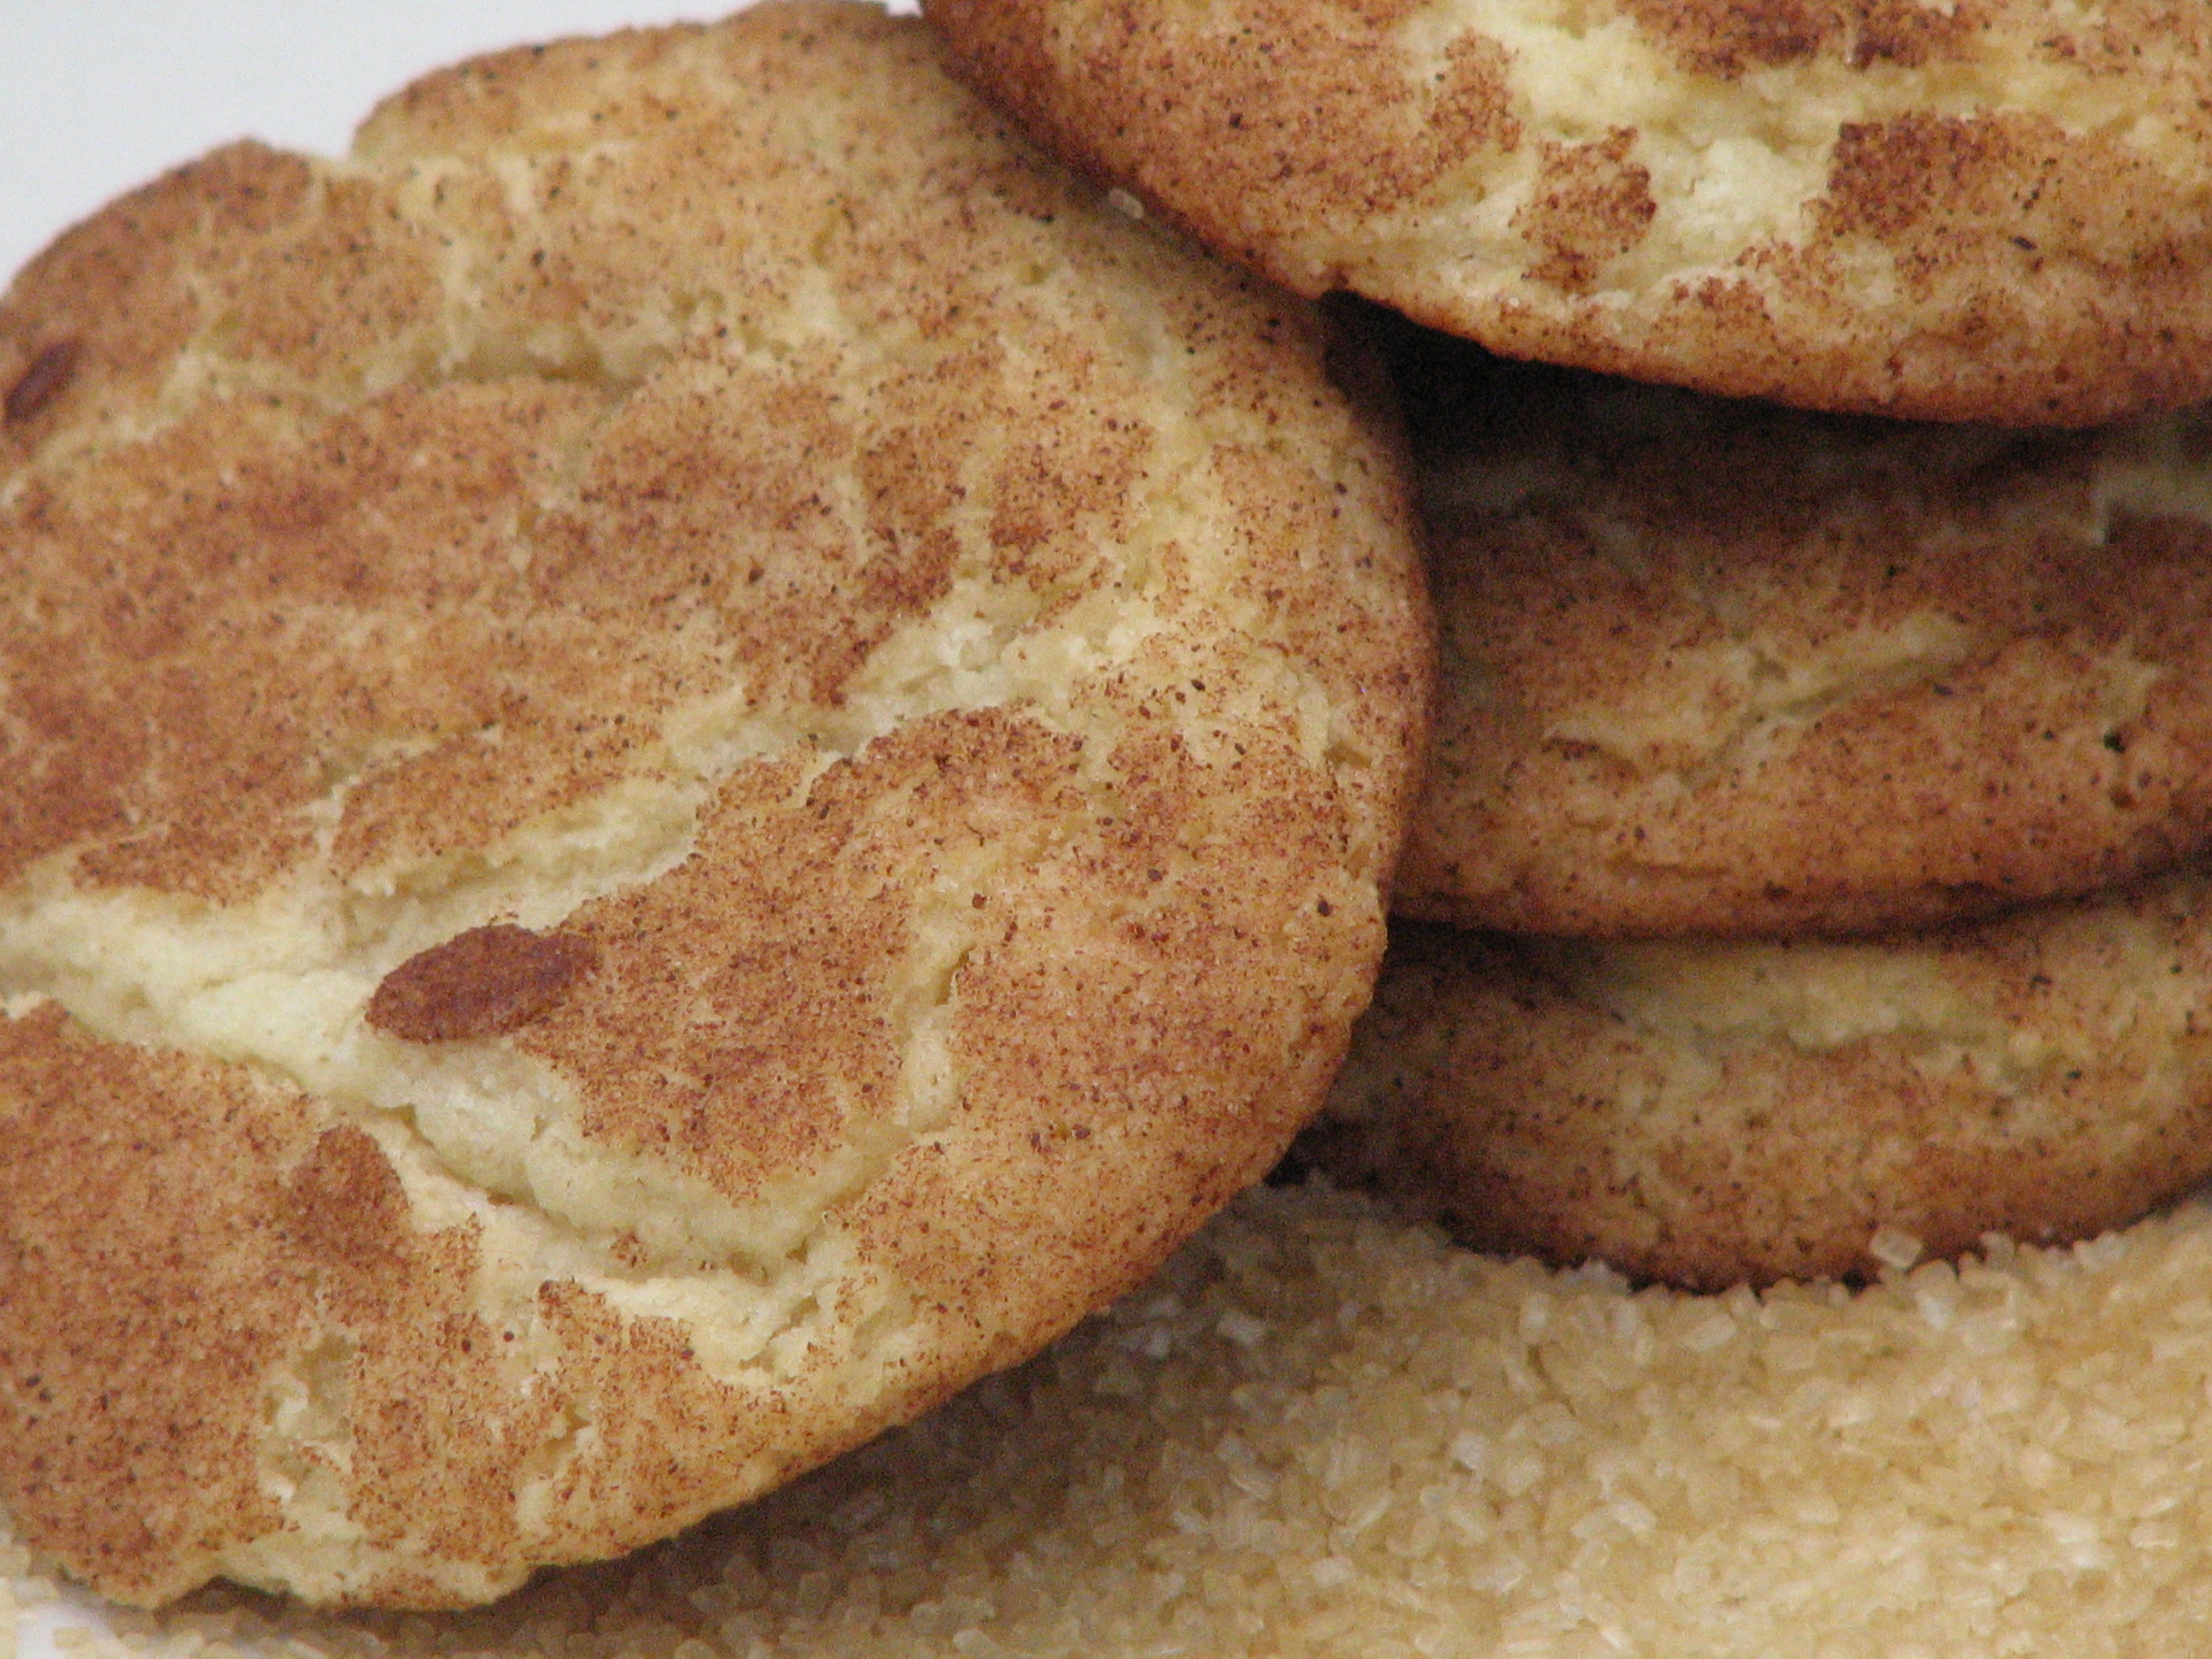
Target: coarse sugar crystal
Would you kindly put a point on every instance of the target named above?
(1809, 1471)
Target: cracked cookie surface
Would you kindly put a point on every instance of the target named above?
(1995, 209)
(1709, 1113)
(1719, 668)
(693, 753)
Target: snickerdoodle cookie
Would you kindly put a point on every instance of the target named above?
(1715, 666)
(1709, 1113)
(1995, 209)
(692, 752)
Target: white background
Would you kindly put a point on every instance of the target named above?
(99, 95)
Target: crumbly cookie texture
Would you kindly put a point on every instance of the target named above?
(1324, 1436)
(693, 752)
(1715, 667)
(1991, 211)
(1708, 1113)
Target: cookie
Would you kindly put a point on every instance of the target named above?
(1319, 1435)
(1717, 667)
(1710, 1114)
(1989, 211)
(693, 752)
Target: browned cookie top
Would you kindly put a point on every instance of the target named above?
(1717, 667)
(1995, 210)
(692, 752)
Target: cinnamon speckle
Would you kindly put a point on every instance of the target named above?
(485, 982)
(45, 380)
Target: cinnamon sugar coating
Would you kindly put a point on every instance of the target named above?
(1712, 1113)
(1991, 211)
(1719, 668)
(856, 706)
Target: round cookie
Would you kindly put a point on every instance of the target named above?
(1996, 210)
(1712, 666)
(1708, 1114)
(643, 721)
(1319, 1435)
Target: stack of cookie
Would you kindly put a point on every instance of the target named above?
(1808, 873)
(1722, 672)
(700, 749)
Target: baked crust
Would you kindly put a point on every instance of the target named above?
(1709, 1114)
(694, 753)
(1717, 667)
(1991, 211)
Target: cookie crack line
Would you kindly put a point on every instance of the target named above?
(1921, 217)
(668, 770)
(345, 949)
(344, 944)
